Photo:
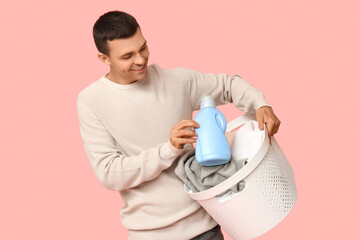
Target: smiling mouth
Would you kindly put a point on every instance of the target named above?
(138, 69)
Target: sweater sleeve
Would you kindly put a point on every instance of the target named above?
(113, 169)
(224, 89)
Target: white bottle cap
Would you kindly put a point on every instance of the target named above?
(207, 101)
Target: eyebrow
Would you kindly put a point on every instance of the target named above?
(129, 53)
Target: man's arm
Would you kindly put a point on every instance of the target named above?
(113, 169)
(233, 89)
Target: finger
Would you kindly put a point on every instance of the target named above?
(184, 133)
(276, 129)
(277, 126)
(180, 142)
(186, 123)
(260, 120)
(181, 131)
(270, 128)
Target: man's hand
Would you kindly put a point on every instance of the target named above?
(181, 134)
(266, 115)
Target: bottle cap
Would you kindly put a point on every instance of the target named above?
(207, 101)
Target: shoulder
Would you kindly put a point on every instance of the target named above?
(171, 73)
(90, 91)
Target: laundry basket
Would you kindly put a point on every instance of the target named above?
(268, 196)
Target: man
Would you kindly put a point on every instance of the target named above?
(136, 122)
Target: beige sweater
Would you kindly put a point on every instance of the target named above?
(125, 131)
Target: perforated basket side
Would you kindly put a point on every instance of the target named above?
(275, 178)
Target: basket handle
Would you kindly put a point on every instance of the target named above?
(237, 122)
(245, 170)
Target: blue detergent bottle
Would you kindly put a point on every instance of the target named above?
(212, 147)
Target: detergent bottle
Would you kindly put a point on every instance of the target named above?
(212, 147)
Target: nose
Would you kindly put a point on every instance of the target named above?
(139, 60)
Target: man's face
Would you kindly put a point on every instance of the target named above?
(128, 59)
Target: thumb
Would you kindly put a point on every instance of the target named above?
(260, 120)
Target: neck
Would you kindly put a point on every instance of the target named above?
(114, 78)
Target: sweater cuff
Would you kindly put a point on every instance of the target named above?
(260, 102)
(169, 152)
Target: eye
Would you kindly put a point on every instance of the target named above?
(143, 48)
(127, 57)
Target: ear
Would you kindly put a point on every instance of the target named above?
(105, 59)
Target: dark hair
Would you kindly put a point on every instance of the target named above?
(113, 25)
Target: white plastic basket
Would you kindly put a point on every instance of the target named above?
(268, 196)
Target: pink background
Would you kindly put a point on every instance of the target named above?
(304, 56)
